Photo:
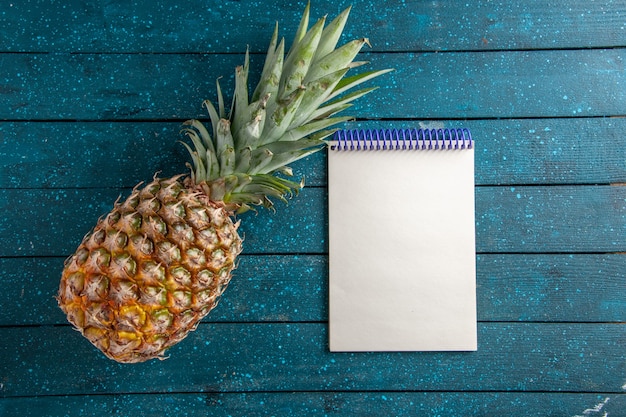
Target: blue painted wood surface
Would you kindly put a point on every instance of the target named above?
(92, 95)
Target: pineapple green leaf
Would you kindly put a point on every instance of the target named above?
(212, 165)
(335, 61)
(204, 161)
(243, 200)
(280, 186)
(339, 105)
(204, 134)
(302, 27)
(356, 64)
(231, 181)
(282, 146)
(285, 158)
(244, 159)
(249, 133)
(224, 138)
(279, 121)
(240, 110)
(270, 77)
(271, 48)
(259, 159)
(225, 148)
(329, 110)
(203, 158)
(311, 127)
(220, 100)
(298, 61)
(353, 96)
(256, 194)
(266, 190)
(213, 114)
(317, 92)
(331, 35)
(284, 170)
(195, 139)
(198, 171)
(351, 82)
(227, 161)
(274, 55)
(288, 116)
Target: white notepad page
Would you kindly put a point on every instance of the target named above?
(402, 250)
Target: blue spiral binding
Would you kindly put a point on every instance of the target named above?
(402, 139)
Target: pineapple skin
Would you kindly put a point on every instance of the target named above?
(150, 270)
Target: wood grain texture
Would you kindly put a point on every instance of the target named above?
(508, 219)
(240, 357)
(121, 154)
(60, 218)
(269, 288)
(92, 95)
(551, 219)
(342, 404)
(294, 288)
(551, 288)
(396, 25)
(505, 84)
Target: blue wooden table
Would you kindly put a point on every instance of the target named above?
(92, 95)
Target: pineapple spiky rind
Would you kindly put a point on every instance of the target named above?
(153, 267)
(150, 270)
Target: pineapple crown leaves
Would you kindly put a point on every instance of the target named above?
(287, 117)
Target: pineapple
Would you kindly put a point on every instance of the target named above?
(153, 267)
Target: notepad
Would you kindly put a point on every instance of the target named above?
(402, 258)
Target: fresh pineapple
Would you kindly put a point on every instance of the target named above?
(152, 268)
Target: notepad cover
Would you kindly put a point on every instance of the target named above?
(402, 250)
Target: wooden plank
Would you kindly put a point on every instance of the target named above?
(79, 155)
(537, 79)
(502, 84)
(268, 288)
(509, 219)
(536, 151)
(110, 86)
(294, 288)
(565, 288)
(562, 83)
(551, 219)
(294, 357)
(121, 154)
(58, 220)
(346, 404)
(102, 154)
(407, 25)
